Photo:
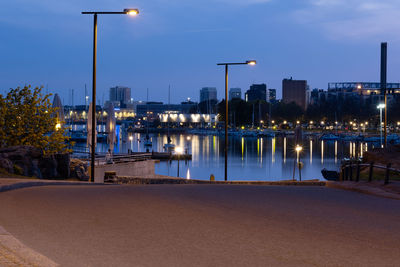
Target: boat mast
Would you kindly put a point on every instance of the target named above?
(169, 99)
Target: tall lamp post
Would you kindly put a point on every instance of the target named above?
(380, 107)
(126, 11)
(248, 62)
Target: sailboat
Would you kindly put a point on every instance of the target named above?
(169, 146)
(147, 141)
(111, 126)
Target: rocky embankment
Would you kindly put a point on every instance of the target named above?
(30, 161)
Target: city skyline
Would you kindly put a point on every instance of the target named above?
(318, 41)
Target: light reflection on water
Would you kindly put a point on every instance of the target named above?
(248, 158)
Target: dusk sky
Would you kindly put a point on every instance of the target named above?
(178, 43)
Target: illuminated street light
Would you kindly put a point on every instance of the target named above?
(94, 13)
(298, 149)
(131, 12)
(248, 62)
(178, 151)
(380, 107)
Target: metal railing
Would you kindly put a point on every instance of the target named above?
(347, 170)
(101, 158)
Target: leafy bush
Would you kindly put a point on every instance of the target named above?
(27, 118)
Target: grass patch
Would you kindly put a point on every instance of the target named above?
(378, 174)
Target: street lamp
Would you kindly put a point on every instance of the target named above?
(380, 107)
(126, 11)
(298, 149)
(178, 151)
(248, 62)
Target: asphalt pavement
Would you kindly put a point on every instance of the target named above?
(204, 225)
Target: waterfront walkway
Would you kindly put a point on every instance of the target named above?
(204, 225)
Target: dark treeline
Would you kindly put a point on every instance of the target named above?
(330, 110)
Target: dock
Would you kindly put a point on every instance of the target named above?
(135, 156)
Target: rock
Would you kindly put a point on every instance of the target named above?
(110, 177)
(63, 163)
(7, 165)
(48, 167)
(21, 160)
(29, 161)
(78, 169)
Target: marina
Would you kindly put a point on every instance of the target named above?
(251, 156)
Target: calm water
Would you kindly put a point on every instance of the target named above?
(248, 158)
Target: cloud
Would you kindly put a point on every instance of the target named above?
(352, 19)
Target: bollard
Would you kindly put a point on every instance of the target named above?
(212, 178)
(341, 174)
(110, 177)
(351, 172)
(387, 173)
(371, 170)
(358, 172)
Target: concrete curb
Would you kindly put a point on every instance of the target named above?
(171, 180)
(14, 253)
(363, 189)
(20, 185)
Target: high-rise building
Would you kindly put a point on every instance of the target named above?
(235, 93)
(256, 92)
(120, 94)
(272, 95)
(295, 91)
(208, 94)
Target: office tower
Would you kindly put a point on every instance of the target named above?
(208, 94)
(256, 92)
(295, 91)
(235, 93)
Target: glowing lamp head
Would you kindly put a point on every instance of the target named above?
(58, 126)
(381, 106)
(131, 12)
(179, 150)
(299, 148)
(130, 138)
(251, 62)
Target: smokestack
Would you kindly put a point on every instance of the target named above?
(383, 67)
(383, 83)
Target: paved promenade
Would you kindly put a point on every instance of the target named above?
(204, 225)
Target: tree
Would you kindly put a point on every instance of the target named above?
(27, 118)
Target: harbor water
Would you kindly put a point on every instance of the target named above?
(249, 158)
